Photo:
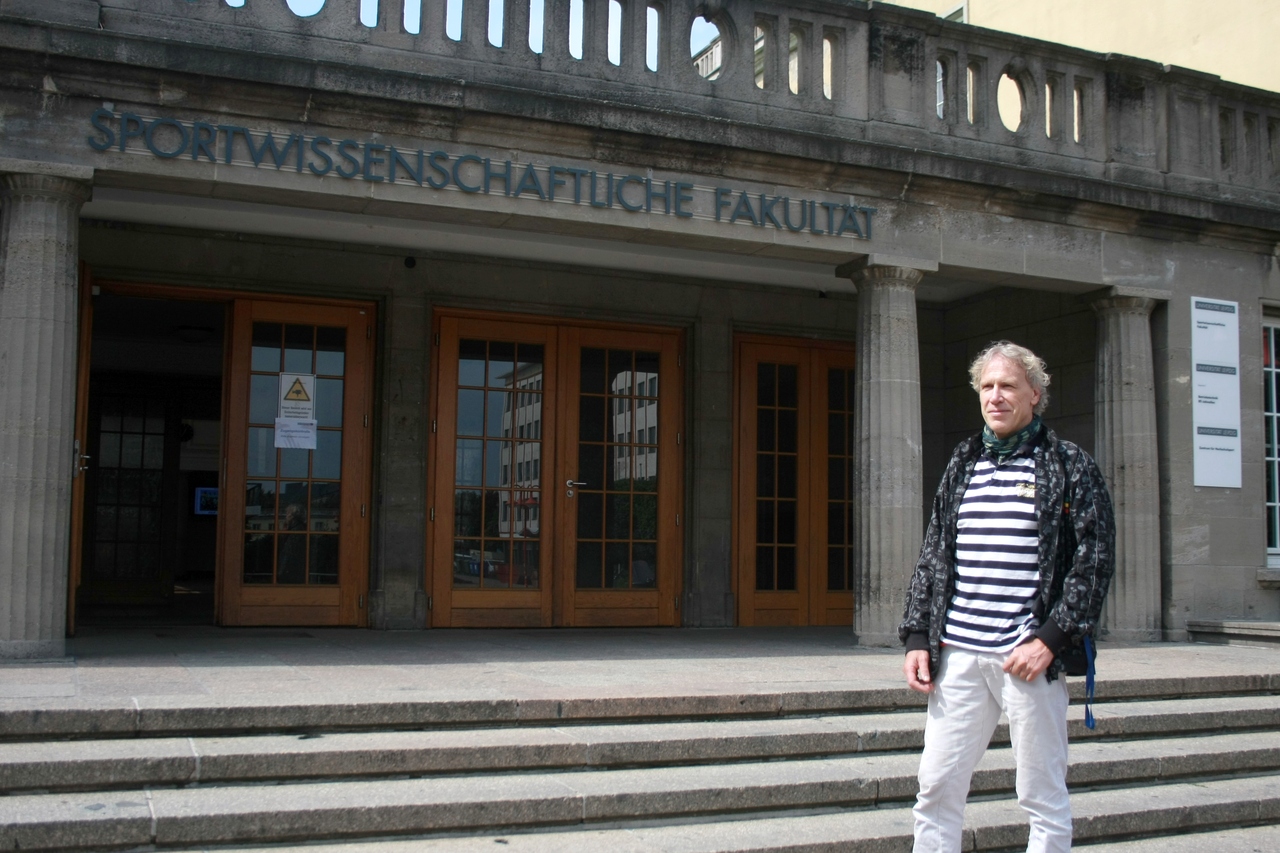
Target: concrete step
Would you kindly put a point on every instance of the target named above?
(150, 717)
(266, 813)
(115, 763)
(1242, 812)
(172, 762)
(1233, 632)
(1252, 839)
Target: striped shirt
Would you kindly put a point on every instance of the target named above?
(997, 570)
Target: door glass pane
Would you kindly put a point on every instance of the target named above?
(777, 475)
(498, 415)
(263, 404)
(498, 527)
(326, 459)
(328, 402)
(292, 517)
(266, 348)
(618, 431)
(331, 350)
(291, 565)
(260, 505)
(839, 480)
(294, 460)
(299, 342)
(128, 483)
(324, 559)
(468, 462)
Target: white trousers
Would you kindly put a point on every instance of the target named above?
(969, 694)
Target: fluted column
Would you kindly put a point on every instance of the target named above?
(887, 522)
(39, 222)
(1125, 443)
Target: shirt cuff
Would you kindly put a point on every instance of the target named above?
(1052, 636)
(918, 641)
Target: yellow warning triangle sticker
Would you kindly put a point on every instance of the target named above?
(297, 392)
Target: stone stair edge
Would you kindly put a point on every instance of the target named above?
(147, 818)
(141, 716)
(116, 763)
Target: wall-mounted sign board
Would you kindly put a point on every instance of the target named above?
(1215, 388)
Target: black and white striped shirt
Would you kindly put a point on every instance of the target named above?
(997, 574)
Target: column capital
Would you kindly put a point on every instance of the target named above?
(1142, 305)
(55, 187)
(880, 267)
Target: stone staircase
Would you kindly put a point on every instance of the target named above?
(779, 772)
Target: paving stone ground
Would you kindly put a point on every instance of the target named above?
(227, 666)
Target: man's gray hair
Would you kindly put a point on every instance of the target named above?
(1032, 365)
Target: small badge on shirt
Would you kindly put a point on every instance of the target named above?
(1025, 490)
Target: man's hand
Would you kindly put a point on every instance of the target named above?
(917, 671)
(1029, 660)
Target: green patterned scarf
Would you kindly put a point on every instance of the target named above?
(1003, 448)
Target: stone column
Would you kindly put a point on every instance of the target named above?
(39, 236)
(887, 523)
(1125, 443)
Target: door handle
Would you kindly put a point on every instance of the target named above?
(570, 483)
(79, 461)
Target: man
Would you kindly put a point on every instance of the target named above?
(1015, 564)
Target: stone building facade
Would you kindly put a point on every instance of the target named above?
(362, 318)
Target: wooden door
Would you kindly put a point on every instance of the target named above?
(556, 485)
(494, 427)
(793, 494)
(294, 522)
(80, 466)
(619, 533)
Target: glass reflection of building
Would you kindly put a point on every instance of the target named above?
(522, 459)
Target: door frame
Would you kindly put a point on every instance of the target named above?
(813, 600)
(91, 286)
(557, 604)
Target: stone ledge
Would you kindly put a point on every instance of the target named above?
(11, 165)
(1269, 578)
(1242, 632)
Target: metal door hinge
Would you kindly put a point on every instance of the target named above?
(433, 424)
(677, 519)
(366, 421)
(360, 602)
(435, 339)
(428, 602)
(433, 513)
(678, 438)
(368, 332)
(362, 509)
(679, 361)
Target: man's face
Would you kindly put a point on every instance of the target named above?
(1008, 398)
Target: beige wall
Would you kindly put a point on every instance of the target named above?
(1235, 39)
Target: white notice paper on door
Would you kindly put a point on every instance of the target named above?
(296, 433)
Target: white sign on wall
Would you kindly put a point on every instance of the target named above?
(1215, 388)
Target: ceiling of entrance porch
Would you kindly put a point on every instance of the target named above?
(145, 207)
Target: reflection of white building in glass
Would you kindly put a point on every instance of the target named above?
(522, 457)
(634, 420)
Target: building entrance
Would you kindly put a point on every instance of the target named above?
(150, 421)
(556, 496)
(188, 509)
(793, 502)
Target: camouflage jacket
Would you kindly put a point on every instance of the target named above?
(1077, 548)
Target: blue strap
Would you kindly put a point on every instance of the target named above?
(1089, 684)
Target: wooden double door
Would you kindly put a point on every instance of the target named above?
(556, 474)
(291, 523)
(794, 494)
